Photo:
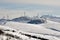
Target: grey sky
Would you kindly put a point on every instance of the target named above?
(16, 8)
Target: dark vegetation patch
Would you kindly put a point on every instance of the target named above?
(54, 29)
(1, 32)
(37, 21)
(10, 30)
(35, 37)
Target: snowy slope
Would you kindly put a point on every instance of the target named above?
(21, 35)
(51, 17)
(40, 29)
(52, 25)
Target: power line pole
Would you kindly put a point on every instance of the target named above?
(24, 14)
(7, 17)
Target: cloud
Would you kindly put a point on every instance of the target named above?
(39, 2)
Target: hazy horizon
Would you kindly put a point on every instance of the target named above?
(16, 8)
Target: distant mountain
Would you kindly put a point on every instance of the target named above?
(3, 21)
(22, 19)
(37, 21)
(30, 20)
(52, 18)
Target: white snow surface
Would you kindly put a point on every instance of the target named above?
(40, 30)
(23, 37)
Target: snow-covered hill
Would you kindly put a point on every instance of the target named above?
(23, 19)
(32, 28)
(52, 25)
(49, 30)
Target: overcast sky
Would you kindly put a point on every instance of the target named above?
(16, 8)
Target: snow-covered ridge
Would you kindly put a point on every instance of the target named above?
(51, 17)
